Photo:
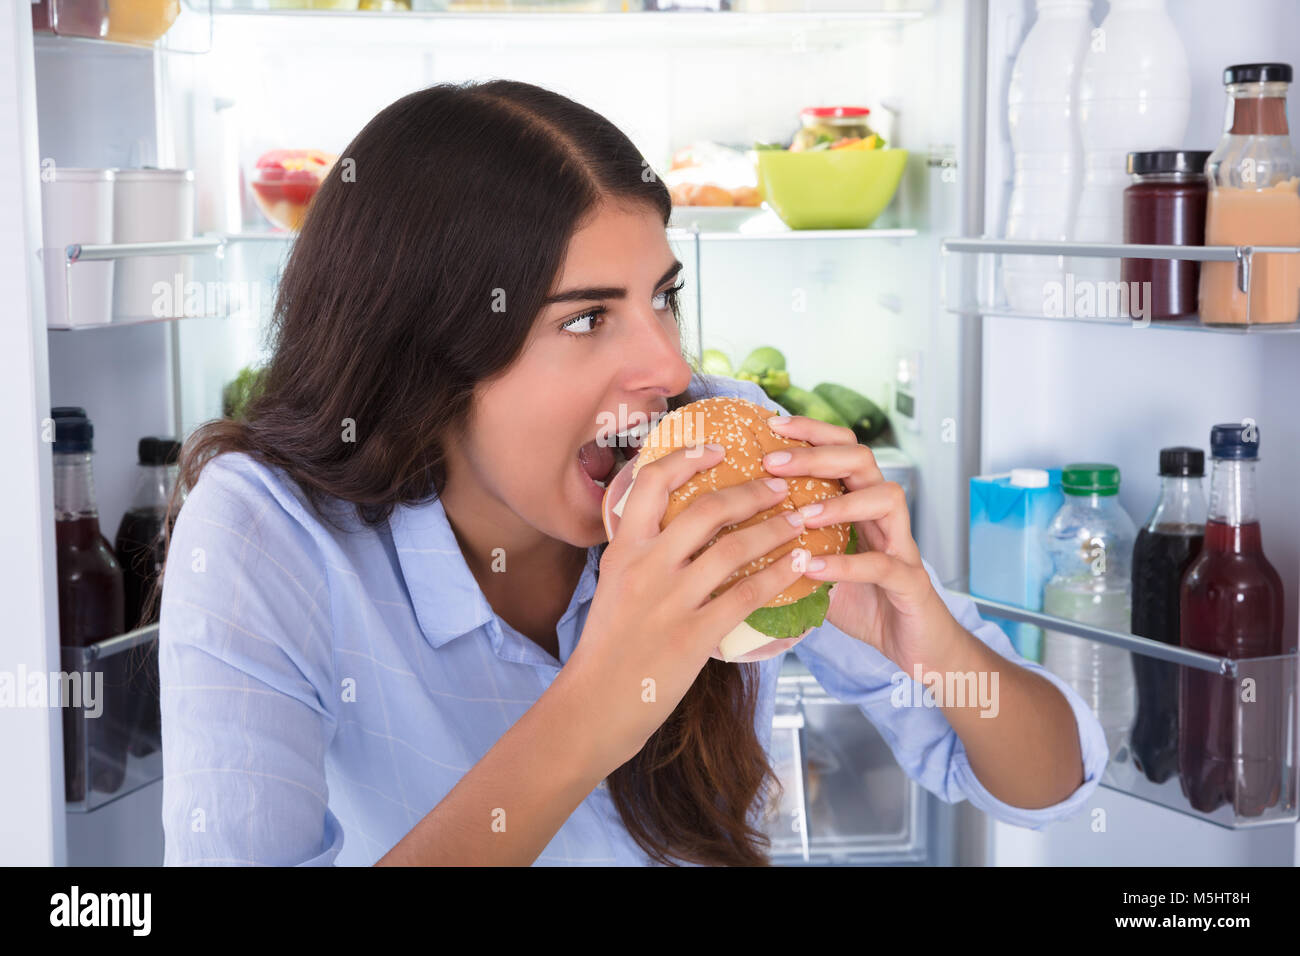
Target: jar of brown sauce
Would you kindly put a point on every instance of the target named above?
(1165, 206)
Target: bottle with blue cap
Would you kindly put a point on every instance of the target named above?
(91, 608)
(1091, 542)
(1231, 738)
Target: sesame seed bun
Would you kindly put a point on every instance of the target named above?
(741, 428)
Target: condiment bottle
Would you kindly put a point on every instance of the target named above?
(1164, 206)
(1254, 200)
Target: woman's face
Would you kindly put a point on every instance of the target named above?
(602, 356)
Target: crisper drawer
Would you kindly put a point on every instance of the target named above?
(844, 799)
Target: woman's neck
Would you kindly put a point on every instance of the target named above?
(527, 577)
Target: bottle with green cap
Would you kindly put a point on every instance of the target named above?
(1091, 541)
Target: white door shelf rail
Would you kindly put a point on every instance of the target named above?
(194, 260)
(1226, 666)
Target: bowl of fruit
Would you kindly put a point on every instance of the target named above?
(285, 181)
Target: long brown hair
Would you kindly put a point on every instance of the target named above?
(383, 317)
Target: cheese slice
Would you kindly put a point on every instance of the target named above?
(618, 508)
(742, 640)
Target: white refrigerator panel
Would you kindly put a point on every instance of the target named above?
(1054, 392)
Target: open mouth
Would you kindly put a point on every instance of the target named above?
(604, 457)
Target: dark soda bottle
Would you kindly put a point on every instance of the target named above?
(1230, 746)
(1165, 547)
(90, 610)
(141, 551)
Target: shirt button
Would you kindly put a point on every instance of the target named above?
(601, 785)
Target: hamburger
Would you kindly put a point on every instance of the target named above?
(741, 428)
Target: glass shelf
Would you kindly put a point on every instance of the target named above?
(761, 228)
(973, 282)
(675, 232)
(1274, 678)
(630, 11)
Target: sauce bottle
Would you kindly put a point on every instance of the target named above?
(1169, 542)
(1230, 742)
(91, 602)
(1254, 199)
(1165, 206)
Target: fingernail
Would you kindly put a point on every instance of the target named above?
(776, 484)
(779, 420)
(794, 518)
(777, 458)
(816, 564)
(712, 447)
(799, 559)
(813, 509)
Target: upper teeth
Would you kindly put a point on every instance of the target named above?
(638, 432)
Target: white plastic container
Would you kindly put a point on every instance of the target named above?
(1134, 95)
(76, 209)
(1099, 217)
(152, 205)
(1048, 160)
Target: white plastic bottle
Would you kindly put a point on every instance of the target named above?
(1048, 161)
(1134, 95)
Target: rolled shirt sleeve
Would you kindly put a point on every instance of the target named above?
(921, 739)
(245, 666)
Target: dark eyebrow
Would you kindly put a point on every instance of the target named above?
(605, 292)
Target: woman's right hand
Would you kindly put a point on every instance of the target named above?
(653, 623)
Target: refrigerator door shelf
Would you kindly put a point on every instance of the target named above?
(1256, 783)
(112, 732)
(971, 282)
(187, 282)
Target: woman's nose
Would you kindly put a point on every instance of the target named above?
(655, 355)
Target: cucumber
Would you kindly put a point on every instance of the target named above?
(800, 402)
(867, 418)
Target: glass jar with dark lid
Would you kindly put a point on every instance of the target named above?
(1254, 200)
(1165, 206)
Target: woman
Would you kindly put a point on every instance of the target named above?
(375, 591)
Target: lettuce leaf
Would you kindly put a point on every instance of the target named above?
(792, 620)
(807, 612)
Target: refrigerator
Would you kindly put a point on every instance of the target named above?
(898, 312)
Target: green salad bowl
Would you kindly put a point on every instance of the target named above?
(829, 188)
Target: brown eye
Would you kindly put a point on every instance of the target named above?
(588, 317)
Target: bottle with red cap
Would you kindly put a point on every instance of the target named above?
(90, 611)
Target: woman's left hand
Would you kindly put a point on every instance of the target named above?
(883, 595)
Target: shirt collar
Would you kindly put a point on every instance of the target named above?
(447, 599)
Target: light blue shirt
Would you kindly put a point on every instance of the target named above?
(322, 691)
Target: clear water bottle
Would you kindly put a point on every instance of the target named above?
(1091, 543)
